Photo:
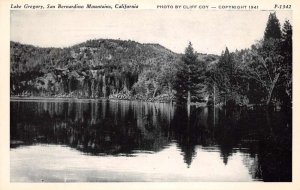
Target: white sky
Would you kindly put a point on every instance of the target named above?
(209, 31)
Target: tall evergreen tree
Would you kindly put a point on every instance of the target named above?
(225, 77)
(273, 28)
(226, 66)
(189, 76)
(287, 41)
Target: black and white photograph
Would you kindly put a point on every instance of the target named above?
(151, 95)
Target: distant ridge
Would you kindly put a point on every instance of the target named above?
(94, 68)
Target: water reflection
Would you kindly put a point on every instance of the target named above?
(262, 139)
(99, 127)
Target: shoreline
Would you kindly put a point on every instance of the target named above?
(52, 98)
(37, 98)
(73, 99)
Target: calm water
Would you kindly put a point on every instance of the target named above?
(93, 141)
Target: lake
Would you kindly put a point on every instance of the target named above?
(111, 141)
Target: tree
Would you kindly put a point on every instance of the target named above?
(287, 52)
(266, 62)
(225, 67)
(167, 77)
(189, 77)
(225, 79)
(264, 67)
(273, 28)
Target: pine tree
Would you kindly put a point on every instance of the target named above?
(273, 28)
(287, 41)
(189, 76)
(272, 59)
(226, 67)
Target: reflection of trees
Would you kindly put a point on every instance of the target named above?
(251, 162)
(268, 143)
(263, 138)
(275, 153)
(228, 133)
(190, 131)
(207, 129)
(99, 127)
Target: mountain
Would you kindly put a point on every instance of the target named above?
(93, 69)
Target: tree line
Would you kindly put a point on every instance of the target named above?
(261, 74)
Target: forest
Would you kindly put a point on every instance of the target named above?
(118, 69)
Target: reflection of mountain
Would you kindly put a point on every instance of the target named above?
(99, 127)
(107, 127)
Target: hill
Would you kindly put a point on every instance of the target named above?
(95, 68)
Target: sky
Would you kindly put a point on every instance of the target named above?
(209, 31)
